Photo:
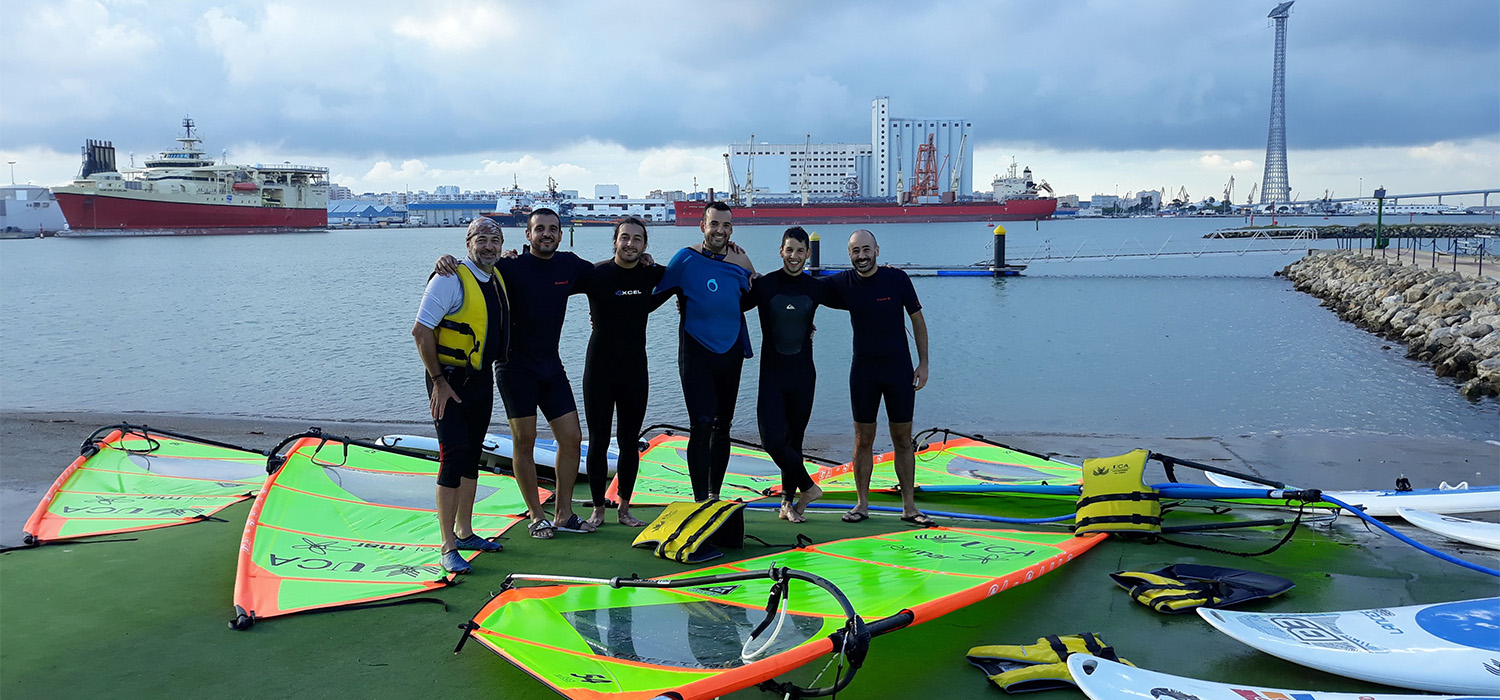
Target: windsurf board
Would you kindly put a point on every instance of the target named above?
(1474, 532)
(1109, 680)
(1444, 500)
(1443, 647)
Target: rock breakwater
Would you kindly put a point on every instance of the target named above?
(1447, 319)
(1366, 230)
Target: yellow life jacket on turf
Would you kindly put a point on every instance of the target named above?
(687, 532)
(1022, 668)
(461, 334)
(1115, 497)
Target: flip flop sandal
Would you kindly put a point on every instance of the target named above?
(575, 524)
(538, 526)
(920, 520)
(856, 517)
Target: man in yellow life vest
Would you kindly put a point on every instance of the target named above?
(462, 330)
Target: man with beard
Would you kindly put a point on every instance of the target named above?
(462, 330)
(713, 343)
(539, 282)
(882, 370)
(614, 375)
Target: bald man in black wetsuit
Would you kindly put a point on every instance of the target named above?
(876, 298)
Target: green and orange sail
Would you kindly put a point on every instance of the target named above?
(342, 523)
(131, 478)
(627, 640)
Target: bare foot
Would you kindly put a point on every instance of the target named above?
(597, 519)
(629, 520)
(786, 509)
(803, 500)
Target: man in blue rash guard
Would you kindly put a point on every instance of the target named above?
(539, 283)
(882, 370)
(713, 343)
(787, 299)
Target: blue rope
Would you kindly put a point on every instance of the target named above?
(940, 513)
(1388, 530)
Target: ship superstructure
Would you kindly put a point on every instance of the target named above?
(182, 190)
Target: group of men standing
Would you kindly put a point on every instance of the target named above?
(492, 313)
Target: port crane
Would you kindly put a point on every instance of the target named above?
(750, 175)
(734, 187)
(956, 181)
(925, 179)
(1250, 201)
(1229, 190)
(806, 149)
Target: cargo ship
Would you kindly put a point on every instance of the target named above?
(182, 191)
(1016, 198)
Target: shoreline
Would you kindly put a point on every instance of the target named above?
(35, 447)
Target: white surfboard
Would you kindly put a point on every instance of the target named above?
(1444, 500)
(544, 452)
(1444, 647)
(1474, 532)
(1109, 680)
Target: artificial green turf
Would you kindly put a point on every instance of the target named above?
(146, 618)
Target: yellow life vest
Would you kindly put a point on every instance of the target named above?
(688, 532)
(461, 334)
(1023, 668)
(1115, 497)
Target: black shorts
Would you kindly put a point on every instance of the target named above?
(524, 391)
(874, 379)
(463, 425)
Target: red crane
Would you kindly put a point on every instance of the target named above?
(925, 180)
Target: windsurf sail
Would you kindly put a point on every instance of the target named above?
(598, 640)
(130, 478)
(663, 476)
(342, 522)
(963, 462)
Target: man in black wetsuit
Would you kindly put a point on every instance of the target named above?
(539, 282)
(787, 299)
(461, 331)
(882, 370)
(614, 375)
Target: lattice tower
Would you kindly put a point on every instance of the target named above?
(1275, 187)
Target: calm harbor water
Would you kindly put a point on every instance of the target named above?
(316, 326)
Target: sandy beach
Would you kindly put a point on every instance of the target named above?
(36, 446)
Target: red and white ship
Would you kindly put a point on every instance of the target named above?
(181, 191)
(1016, 198)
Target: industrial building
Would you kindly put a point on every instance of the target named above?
(898, 149)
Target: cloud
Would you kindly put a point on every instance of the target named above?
(1214, 161)
(461, 26)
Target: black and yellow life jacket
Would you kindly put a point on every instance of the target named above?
(461, 335)
(1182, 588)
(1115, 497)
(690, 532)
(1022, 668)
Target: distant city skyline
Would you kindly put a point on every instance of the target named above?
(1101, 99)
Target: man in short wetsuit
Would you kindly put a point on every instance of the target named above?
(787, 300)
(713, 343)
(462, 330)
(876, 297)
(539, 282)
(614, 375)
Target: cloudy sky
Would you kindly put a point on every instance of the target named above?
(1098, 96)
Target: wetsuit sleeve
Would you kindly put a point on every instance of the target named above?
(909, 295)
(831, 295)
(671, 279)
(752, 298)
(582, 270)
(658, 297)
(586, 281)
